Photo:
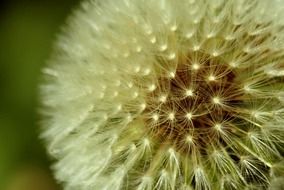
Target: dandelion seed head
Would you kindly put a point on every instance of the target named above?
(167, 95)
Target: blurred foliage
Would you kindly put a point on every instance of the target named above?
(27, 31)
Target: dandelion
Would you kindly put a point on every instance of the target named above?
(167, 95)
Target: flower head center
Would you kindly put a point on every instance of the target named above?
(198, 97)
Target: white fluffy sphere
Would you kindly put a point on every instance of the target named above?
(167, 95)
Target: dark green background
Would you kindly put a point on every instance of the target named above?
(28, 29)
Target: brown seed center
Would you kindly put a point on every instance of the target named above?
(193, 103)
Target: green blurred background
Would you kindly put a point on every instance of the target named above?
(28, 29)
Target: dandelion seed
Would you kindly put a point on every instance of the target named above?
(195, 66)
(189, 92)
(171, 116)
(189, 35)
(215, 53)
(218, 127)
(138, 49)
(163, 98)
(216, 100)
(211, 78)
(163, 47)
(173, 28)
(196, 47)
(152, 87)
(189, 139)
(171, 56)
(155, 117)
(143, 106)
(153, 40)
(147, 71)
(172, 74)
(188, 116)
(135, 94)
